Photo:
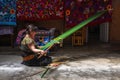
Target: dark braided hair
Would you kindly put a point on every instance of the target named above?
(31, 28)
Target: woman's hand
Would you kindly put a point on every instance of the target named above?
(42, 52)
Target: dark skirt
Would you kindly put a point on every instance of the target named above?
(43, 61)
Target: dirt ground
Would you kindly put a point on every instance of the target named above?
(89, 62)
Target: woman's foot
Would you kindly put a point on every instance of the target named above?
(55, 64)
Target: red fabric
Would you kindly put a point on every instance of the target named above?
(36, 10)
(80, 10)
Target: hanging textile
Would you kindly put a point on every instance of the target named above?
(8, 12)
(77, 11)
(36, 10)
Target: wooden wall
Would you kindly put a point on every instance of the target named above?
(115, 24)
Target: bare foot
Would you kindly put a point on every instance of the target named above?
(55, 64)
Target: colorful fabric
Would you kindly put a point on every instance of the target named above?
(42, 40)
(8, 12)
(6, 30)
(39, 9)
(77, 11)
(20, 36)
(44, 36)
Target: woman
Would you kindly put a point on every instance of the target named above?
(32, 51)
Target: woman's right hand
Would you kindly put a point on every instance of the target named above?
(42, 52)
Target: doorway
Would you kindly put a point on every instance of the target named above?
(98, 33)
(93, 34)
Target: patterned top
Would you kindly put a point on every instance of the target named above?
(27, 40)
(24, 45)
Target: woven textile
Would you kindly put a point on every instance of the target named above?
(8, 12)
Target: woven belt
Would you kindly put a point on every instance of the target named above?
(27, 58)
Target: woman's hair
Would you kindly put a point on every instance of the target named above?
(31, 28)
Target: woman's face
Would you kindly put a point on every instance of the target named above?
(33, 33)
